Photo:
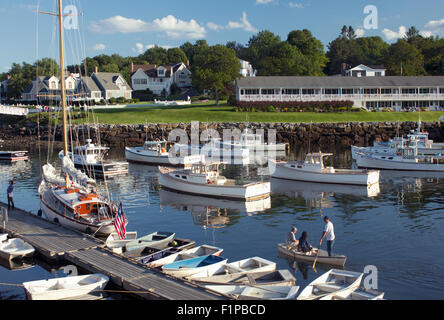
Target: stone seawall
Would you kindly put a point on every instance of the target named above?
(321, 134)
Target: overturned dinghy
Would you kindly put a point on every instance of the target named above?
(15, 248)
(65, 288)
(333, 281)
(244, 292)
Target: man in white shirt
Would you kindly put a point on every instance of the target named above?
(328, 234)
(291, 238)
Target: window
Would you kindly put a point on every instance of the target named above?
(308, 91)
(290, 91)
(267, 91)
(424, 91)
(386, 91)
(408, 91)
(441, 90)
(140, 81)
(251, 91)
(331, 91)
(347, 91)
(371, 91)
(378, 74)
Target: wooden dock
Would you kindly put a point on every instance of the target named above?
(56, 242)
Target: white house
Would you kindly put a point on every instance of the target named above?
(365, 71)
(160, 78)
(247, 69)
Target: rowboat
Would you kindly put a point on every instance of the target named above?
(233, 270)
(243, 292)
(359, 293)
(63, 288)
(323, 257)
(199, 251)
(333, 281)
(15, 248)
(149, 254)
(116, 244)
(158, 240)
(313, 170)
(204, 179)
(275, 278)
(3, 237)
(185, 268)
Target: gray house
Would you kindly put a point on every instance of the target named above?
(112, 85)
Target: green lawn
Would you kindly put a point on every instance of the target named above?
(209, 112)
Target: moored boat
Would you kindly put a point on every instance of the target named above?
(149, 254)
(323, 257)
(3, 237)
(313, 170)
(116, 244)
(15, 248)
(189, 267)
(196, 252)
(204, 179)
(64, 288)
(359, 293)
(227, 272)
(274, 278)
(333, 281)
(260, 292)
(159, 239)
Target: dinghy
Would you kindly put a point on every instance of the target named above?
(275, 278)
(3, 237)
(199, 251)
(116, 244)
(323, 257)
(355, 294)
(233, 270)
(151, 254)
(65, 288)
(242, 292)
(158, 240)
(189, 267)
(15, 248)
(333, 281)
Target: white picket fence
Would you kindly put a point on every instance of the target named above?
(16, 111)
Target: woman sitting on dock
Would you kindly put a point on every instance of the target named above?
(303, 245)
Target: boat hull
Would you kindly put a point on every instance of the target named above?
(16, 248)
(183, 269)
(323, 258)
(365, 161)
(104, 169)
(13, 156)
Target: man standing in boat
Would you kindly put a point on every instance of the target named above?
(328, 234)
(291, 238)
(10, 191)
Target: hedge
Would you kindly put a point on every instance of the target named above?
(295, 106)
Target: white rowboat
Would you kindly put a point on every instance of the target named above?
(245, 292)
(15, 248)
(64, 288)
(113, 241)
(334, 260)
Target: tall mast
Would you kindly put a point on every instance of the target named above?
(62, 83)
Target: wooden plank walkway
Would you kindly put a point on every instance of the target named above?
(58, 243)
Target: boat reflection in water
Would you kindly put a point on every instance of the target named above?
(208, 212)
(20, 264)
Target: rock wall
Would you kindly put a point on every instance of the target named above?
(320, 134)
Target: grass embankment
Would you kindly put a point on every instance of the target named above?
(209, 112)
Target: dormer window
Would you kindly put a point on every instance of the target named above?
(53, 85)
(161, 72)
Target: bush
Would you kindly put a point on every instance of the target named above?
(294, 106)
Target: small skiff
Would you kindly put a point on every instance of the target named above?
(275, 278)
(3, 237)
(157, 240)
(233, 270)
(333, 281)
(199, 251)
(15, 248)
(64, 288)
(189, 267)
(113, 241)
(151, 254)
(242, 292)
(323, 258)
(359, 293)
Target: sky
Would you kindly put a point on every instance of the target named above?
(130, 27)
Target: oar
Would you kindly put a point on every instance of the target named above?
(316, 258)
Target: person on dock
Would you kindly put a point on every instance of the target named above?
(303, 245)
(328, 234)
(291, 237)
(10, 192)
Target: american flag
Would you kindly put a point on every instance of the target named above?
(119, 223)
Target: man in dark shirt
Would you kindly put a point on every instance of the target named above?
(10, 191)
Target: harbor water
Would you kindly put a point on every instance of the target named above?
(396, 226)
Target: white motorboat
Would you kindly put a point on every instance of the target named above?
(65, 288)
(90, 158)
(226, 273)
(12, 156)
(259, 292)
(116, 244)
(323, 257)
(406, 159)
(188, 267)
(204, 179)
(333, 281)
(313, 170)
(15, 248)
(199, 251)
(254, 142)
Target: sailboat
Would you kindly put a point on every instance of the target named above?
(71, 199)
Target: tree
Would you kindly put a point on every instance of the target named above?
(176, 55)
(260, 46)
(215, 67)
(191, 50)
(405, 56)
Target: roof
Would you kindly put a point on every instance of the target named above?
(86, 83)
(151, 70)
(374, 67)
(107, 80)
(339, 82)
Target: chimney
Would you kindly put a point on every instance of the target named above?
(132, 67)
(96, 69)
(344, 67)
(188, 63)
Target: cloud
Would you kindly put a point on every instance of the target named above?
(296, 5)
(243, 23)
(433, 27)
(263, 1)
(393, 35)
(98, 47)
(141, 48)
(169, 25)
(360, 32)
